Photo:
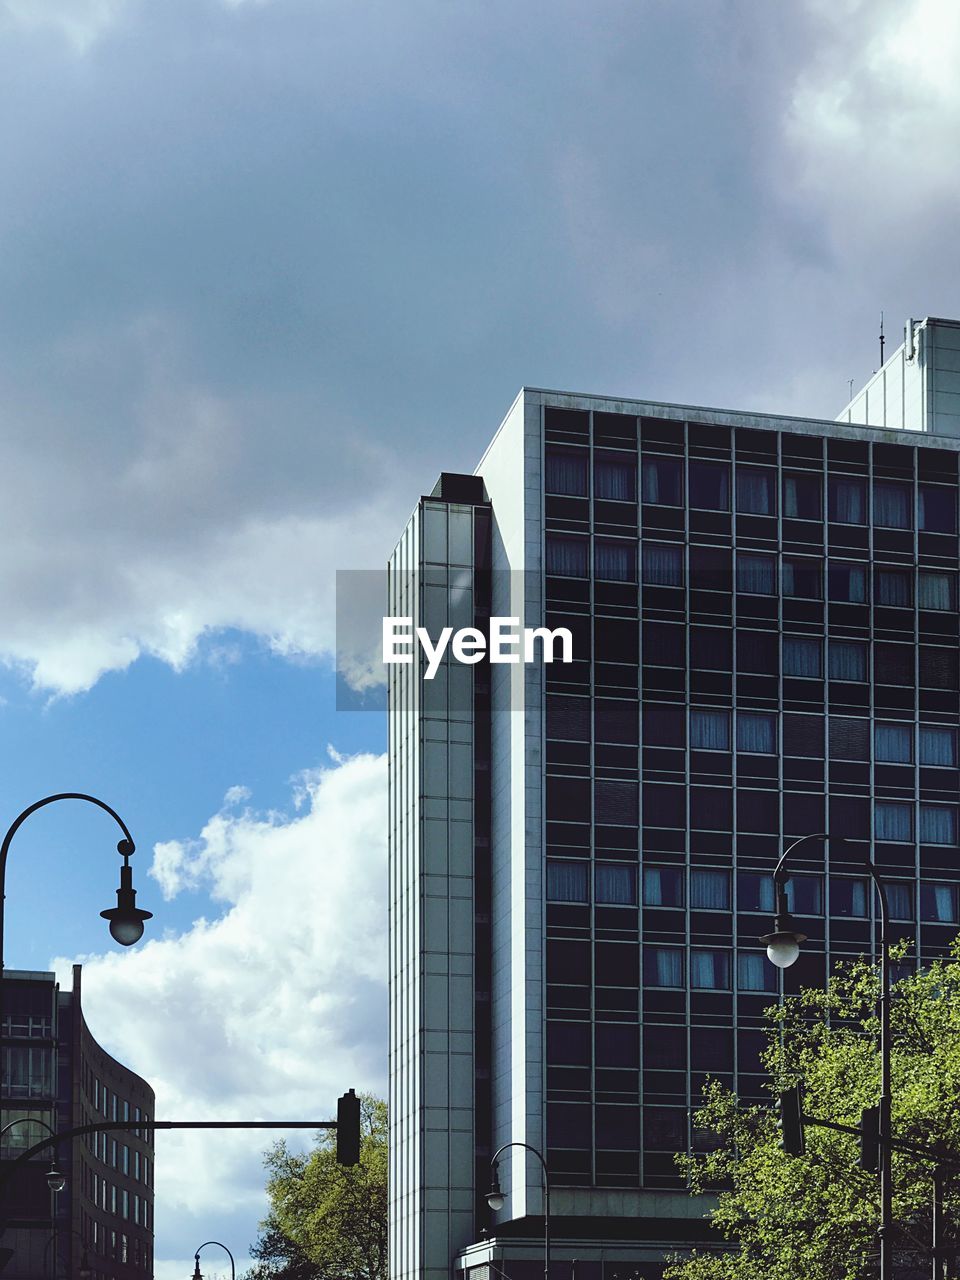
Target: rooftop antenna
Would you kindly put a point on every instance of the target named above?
(881, 339)
(850, 383)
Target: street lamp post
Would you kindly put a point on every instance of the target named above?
(495, 1197)
(55, 1179)
(126, 918)
(196, 1259)
(783, 948)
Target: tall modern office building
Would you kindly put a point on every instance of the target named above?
(765, 643)
(57, 1077)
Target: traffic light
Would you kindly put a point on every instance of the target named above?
(870, 1139)
(791, 1121)
(348, 1129)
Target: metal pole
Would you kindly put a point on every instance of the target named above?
(233, 1268)
(939, 1258)
(886, 1135)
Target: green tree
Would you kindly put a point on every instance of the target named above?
(327, 1222)
(815, 1216)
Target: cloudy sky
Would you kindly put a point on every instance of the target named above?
(266, 268)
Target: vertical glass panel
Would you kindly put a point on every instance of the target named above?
(662, 565)
(662, 887)
(709, 890)
(615, 883)
(756, 732)
(847, 499)
(892, 505)
(756, 574)
(566, 881)
(938, 509)
(938, 746)
(614, 479)
(661, 481)
(893, 743)
(755, 892)
(938, 903)
(894, 587)
(710, 970)
(755, 972)
(847, 583)
(805, 895)
(566, 557)
(899, 899)
(937, 590)
(710, 730)
(802, 656)
(662, 967)
(938, 824)
(802, 496)
(566, 471)
(710, 486)
(755, 491)
(848, 898)
(893, 821)
(615, 561)
(802, 578)
(847, 660)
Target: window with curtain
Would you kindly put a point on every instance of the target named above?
(662, 967)
(661, 481)
(662, 565)
(938, 903)
(847, 660)
(709, 890)
(755, 972)
(802, 656)
(614, 479)
(755, 491)
(936, 590)
(938, 509)
(938, 746)
(710, 486)
(847, 500)
(805, 895)
(566, 471)
(566, 557)
(710, 730)
(756, 732)
(848, 898)
(802, 578)
(893, 743)
(894, 588)
(662, 887)
(566, 881)
(938, 824)
(893, 821)
(615, 883)
(802, 496)
(615, 561)
(892, 505)
(899, 899)
(755, 892)
(847, 583)
(709, 970)
(756, 574)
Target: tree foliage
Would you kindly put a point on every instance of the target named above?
(327, 1222)
(816, 1215)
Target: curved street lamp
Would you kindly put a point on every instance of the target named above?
(55, 1178)
(495, 1197)
(196, 1258)
(783, 948)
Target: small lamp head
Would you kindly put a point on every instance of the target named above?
(495, 1197)
(126, 918)
(55, 1179)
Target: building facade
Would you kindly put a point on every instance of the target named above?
(55, 1073)
(765, 633)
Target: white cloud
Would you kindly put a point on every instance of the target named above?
(270, 1011)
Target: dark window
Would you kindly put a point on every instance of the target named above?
(802, 579)
(566, 471)
(802, 496)
(664, 1048)
(709, 969)
(568, 1043)
(662, 967)
(758, 811)
(755, 491)
(711, 809)
(568, 718)
(850, 816)
(938, 509)
(615, 561)
(755, 892)
(802, 657)
(938, 668)
(710, 569)
(755, 972)
(569, 1124)
(711, 1049)
(661, 482)
(616, 802)
(847, 660)
(616, 720)
(617, 1045)
(664, 806)
(710, 486)
(617, 964)
(568, 962)
(892, 505)
(894, 587)
(847, 499)
(756, 574)
(566, 557)
(893, 664)
(662, 887)
(805, 895)
(663, 645)
(802, 813)
(662, 565)
(664, 1128)
(663, 726)
(711, 649)
(849, 739)
(757, 652)
(618, 640)
(803, 735)
(614, 479)
(899, 899)
(847, 583)
(566, 881)
(568, 799)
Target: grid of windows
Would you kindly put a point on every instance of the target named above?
(765, 645)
